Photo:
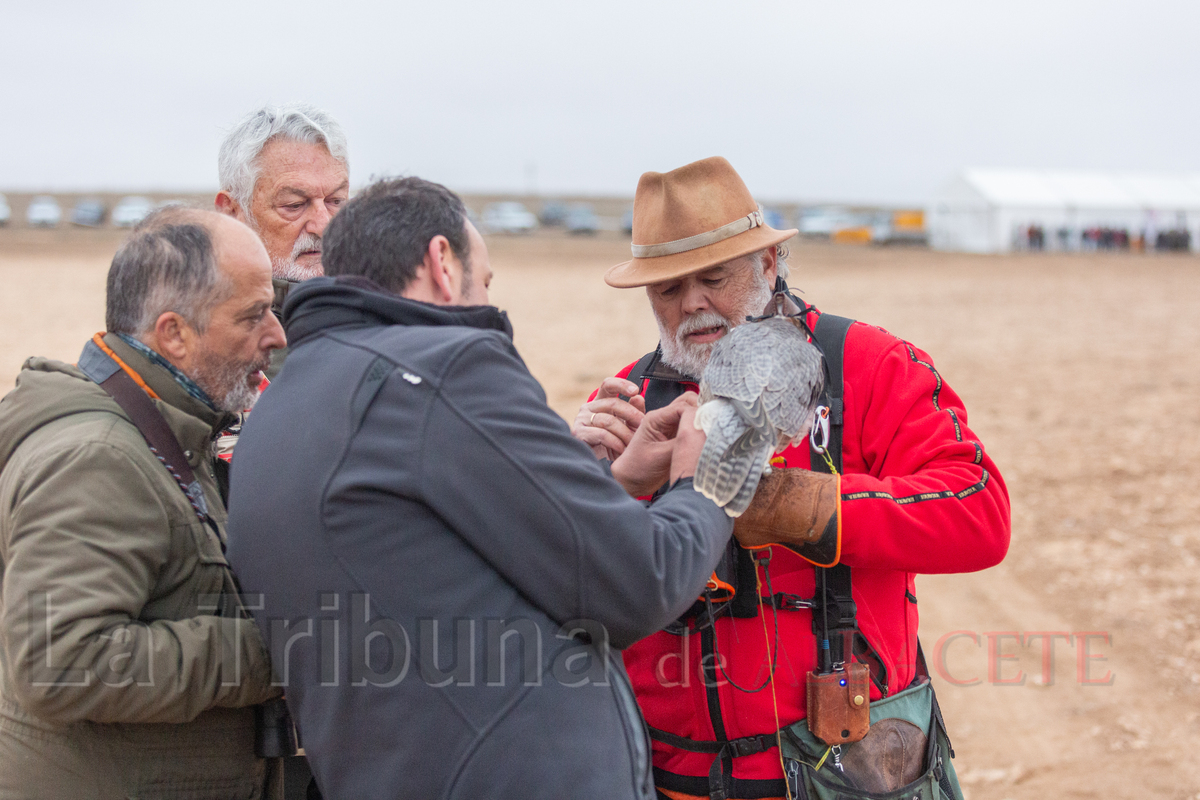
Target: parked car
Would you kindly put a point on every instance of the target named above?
(903, 227)
(581, 218)
(554, 213)
(508, 217)
(5, 210)
(826, 221)
(627, 221)
(131, 210)
(43, 212)
(88, 212)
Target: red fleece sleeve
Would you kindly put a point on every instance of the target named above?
(919, 493)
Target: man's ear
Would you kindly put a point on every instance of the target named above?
(173, 337)
(770, 265)
(225, 204)
(438, 259)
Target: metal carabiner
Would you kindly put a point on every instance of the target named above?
(819, 434)
(837, 757)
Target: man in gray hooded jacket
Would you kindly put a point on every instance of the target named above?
(447, 574)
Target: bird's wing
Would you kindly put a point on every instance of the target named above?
(722, 426)
(732, 454)
(740, 364)
(796, 382)
(764, 379)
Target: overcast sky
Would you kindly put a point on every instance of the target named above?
(870, 100)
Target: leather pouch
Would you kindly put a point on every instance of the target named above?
(839, 704)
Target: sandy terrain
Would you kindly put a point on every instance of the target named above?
(1082, 377)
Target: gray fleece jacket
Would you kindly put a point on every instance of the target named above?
(448, 576)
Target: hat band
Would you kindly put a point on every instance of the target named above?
(741, 225)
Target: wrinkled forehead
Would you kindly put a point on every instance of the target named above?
(306, 166)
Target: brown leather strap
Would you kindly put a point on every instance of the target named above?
(163, 444)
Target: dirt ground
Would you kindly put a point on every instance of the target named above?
(1082, 378)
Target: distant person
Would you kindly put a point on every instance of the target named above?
(284, 172)
(468, 569)
(1150, 232)
(893, 483)
(128, 666)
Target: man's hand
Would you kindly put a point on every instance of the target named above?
(607, 424)
(666, 445)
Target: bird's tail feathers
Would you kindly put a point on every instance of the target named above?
(708, 468)
(745, 493)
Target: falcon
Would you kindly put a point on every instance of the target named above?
(758, 393)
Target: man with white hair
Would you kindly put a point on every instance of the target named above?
(284, 171)
(798, 673)
(128, 664)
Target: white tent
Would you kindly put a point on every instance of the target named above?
(993, 210)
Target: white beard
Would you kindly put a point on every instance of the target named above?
(288, 269)
(691, 359)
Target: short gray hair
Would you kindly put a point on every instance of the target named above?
(237, 162)
(781, 266)
(781, 255)
(167, 264)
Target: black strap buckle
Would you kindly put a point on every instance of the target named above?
(751, 745)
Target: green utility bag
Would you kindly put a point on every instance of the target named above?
(899, 724)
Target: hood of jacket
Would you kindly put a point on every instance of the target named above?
(347, 300)
(47, 390)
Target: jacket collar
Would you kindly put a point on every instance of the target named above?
(281, 287)
(659, 370)
(321, 303)
(163, 384)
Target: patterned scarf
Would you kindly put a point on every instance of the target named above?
(187, 383)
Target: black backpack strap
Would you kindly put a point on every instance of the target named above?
(834, 614)
(829, 335)
(644, 364)
(720, 773)
(660, 384)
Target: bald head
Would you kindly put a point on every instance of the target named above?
(195, 287)
(175, 214)
(175, 260)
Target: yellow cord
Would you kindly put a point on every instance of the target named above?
(774, 698)
(817, 768)
(828, 461)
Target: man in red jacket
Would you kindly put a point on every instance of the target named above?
(914, 493)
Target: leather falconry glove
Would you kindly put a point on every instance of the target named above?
(794, 507)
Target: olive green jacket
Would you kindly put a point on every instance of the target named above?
(125, 668)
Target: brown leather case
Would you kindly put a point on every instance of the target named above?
(837, 713)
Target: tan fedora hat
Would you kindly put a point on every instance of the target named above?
(690, 219)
